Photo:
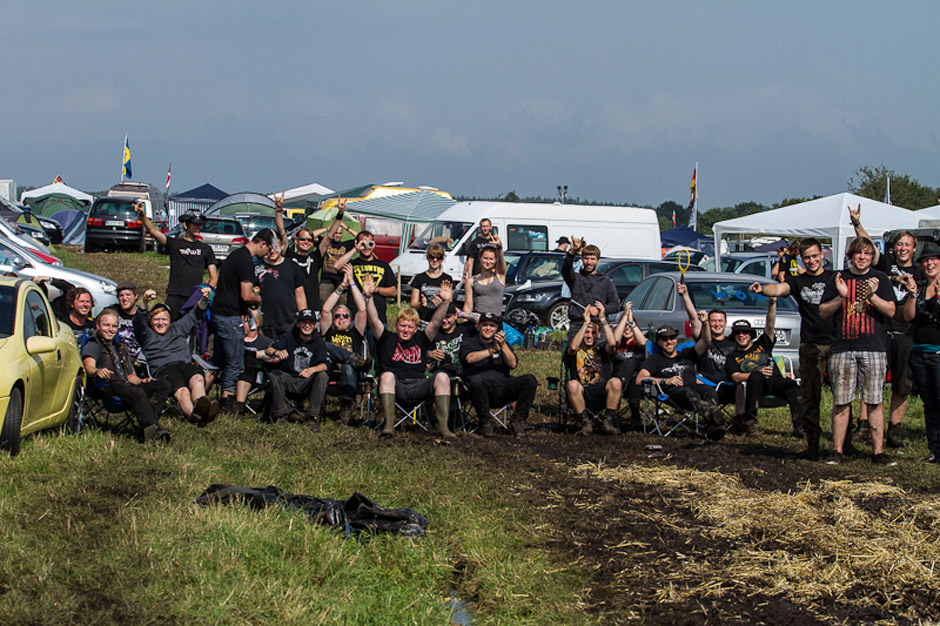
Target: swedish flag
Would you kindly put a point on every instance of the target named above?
(126, 171)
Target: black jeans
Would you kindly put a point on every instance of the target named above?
(146, 400)
(813, 358)
(759, 386)
(487, 392)
(926, 370)
(313, 389)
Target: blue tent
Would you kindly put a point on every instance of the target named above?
(682, 236)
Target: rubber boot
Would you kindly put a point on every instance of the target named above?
(442, 412)
(387, 400)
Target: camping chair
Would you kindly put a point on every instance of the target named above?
(98, 408)
(594, 408)
(469, 420)
(658, 413)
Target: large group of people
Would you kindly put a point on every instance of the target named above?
(298, 316)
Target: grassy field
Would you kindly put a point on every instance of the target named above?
(100, 529)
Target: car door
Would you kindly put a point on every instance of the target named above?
(43, 387)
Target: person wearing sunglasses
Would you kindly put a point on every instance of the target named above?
(343, 332)
(368, 264)
(673, 370)
(424, 286)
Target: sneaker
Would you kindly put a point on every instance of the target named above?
(883, 459)
(200, 410)
(358, 362)
(212, 412)
(833, 458)
(313, 423)
(238, 410)
(893, 437)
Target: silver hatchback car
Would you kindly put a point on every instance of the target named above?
(655, 302)
(223, 235)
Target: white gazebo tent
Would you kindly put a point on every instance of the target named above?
(823, 218)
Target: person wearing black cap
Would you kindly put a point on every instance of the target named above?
(752, 362)
(303, 369)
(402, 358)
(563, 244)
(445, 356)
(190, 258)
(674, 372)
(922, 308)
(592, 364)
(343, 332)
(238, 290)
(488, 361)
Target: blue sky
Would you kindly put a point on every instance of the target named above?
(615, 99)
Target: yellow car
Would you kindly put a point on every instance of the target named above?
(41, 374)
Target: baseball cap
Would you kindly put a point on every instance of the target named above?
(491, 317)
(666, 331)
(126, 284)
(742, 327)
(159, 306)
(195, 218)
(306, 315)
(451, 309)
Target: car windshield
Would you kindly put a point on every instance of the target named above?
(222, 227)
(445, 233)
(729, 294)
(728, 264)
(254, 223)
(7, 310)
(120, 209)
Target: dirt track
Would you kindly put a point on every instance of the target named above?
(647, 570)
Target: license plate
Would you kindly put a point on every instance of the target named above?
(114, 223)
(217, 247)
(780, 336)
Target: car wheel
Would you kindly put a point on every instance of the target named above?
(73, 423)
(12, 422)
(557, 316)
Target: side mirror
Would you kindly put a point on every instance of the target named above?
(40, 345)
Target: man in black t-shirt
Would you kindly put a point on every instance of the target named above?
(712, 365)
(860, 299)
(486, 238)
(674, 372)
(367, 264)
(445, 355)
(282, 293)
(302, 372)
(487, 360)
(815, 334)
(752, 362)
(190, 258)
(127, 311)
(402, 357)
(238, 290)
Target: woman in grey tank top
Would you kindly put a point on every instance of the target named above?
(485, 292)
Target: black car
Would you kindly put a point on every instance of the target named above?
(113, 223)
(545, 300)
(538, 267)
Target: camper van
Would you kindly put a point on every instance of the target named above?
(617, 230)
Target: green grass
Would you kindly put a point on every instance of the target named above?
(100, 529)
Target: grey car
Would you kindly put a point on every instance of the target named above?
(223, 235)
(655, 302)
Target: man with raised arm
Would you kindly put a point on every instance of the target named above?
(591, 366)
(587, 285)
(815, 333)
(189, 258)
(674, 371)
(402, 357)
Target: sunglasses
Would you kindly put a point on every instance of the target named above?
(668, 337)
(345, 315)
(304, 239)
(368, 244)
(435, 257)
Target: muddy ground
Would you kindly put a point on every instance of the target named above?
(640, 566)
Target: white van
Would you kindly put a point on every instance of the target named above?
(618, 231)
